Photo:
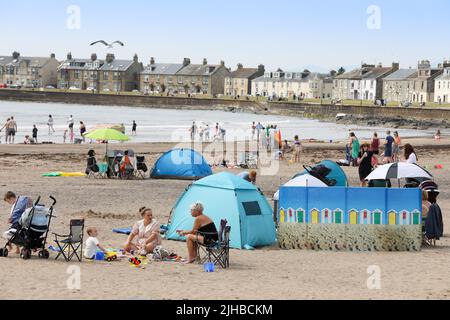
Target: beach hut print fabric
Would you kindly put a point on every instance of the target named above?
(326, 216)
(377, 217)
(365, 217)
(338, 216)
(351, 206)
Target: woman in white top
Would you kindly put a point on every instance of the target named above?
(146, 232)
(410, 154)
(50, 125)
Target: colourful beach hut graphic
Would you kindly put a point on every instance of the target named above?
(282, 215)
(365, 217)
(291, 216)
(315, 216)
(326, 216)
(353, 216)
(404, 218)
(301, 216)
(338, 216)
(377, 217)
(416, 217)
(392, 218)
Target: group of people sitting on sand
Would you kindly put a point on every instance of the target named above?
(145, 235)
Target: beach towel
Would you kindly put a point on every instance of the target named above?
(52, 174)
(126, 231)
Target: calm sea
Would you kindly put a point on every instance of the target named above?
(158, 125)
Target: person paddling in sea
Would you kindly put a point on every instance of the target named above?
(134, 128)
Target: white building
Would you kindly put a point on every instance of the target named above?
(365, 83)
(303, 85)
(442, 87)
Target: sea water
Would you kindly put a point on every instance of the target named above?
(165, 125)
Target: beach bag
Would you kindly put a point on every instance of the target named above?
(160, 253)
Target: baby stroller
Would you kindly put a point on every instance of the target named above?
(321, 172)
(32, 231)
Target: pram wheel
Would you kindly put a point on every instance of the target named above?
(44, 254)
(4, 252)
(25, 254)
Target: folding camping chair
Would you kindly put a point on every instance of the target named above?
(217, 252)
(73, 242)
(141, 167)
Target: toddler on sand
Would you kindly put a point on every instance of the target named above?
(92, 244)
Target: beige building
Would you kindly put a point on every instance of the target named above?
(239, 82)
(301, 85)
(442, 86)
(396, 87)
(29, 72)
(119, 75)
(202, 78)
(413, 85)
(161, 77)
(79, 74)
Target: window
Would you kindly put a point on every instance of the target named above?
(252, 208)
(106, 76)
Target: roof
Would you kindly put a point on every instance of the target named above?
(225, 180)
(244, 72)
(163, 68)
(445, 75)
(82, 64)
(198, 70)
(352, 75)
(376, 73)
(31, 61)
(305, 77)
(402, 74)
(117, 65)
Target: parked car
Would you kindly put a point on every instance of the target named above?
(50, 87)
(91, 89)
(74, 89)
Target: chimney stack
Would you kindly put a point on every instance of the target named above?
(16, 55)
(186, 62)
(261, 68)
(93, 57)
(69, 56)
(395, 66)
(205, 61)
(152, 60)
(110, 57)
(52, 56)
(222, 63)
(240, 66)
(136, 58)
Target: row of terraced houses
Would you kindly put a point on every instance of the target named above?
(369, 82)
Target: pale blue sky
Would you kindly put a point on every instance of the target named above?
(291, 34)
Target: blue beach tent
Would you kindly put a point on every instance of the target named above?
(336, 173)
(181, 164)
(226, 196)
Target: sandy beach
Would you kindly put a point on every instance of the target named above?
(268, 273)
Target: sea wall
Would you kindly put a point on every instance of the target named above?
(328, 111)
(127, 100)
(316, 111)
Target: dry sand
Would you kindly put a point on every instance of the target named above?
(268, 273)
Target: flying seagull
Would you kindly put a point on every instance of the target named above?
(109, 45)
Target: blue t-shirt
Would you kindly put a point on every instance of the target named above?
(390, 141)
(19, 208)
